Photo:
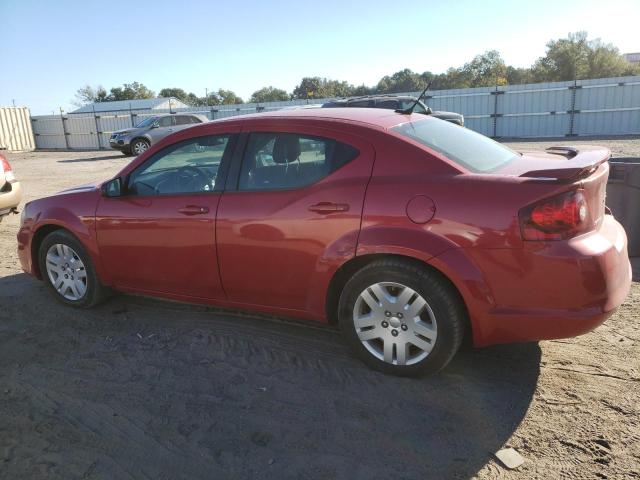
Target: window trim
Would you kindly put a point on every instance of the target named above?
(235, 172)
(223, 169)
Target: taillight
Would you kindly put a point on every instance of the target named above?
(8, 172)
(557, 218)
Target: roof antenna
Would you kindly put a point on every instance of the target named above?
(409, 111)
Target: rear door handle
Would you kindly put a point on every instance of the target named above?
(194, 210)
(329, 207)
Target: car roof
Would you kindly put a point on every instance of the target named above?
(377, 117)
(389, 96)
(191, 114)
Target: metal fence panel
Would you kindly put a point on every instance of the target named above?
(16, 134)
(532, 125)
(605, 106)
(624, 122)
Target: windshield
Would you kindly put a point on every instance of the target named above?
(146, 122)
(467, 148)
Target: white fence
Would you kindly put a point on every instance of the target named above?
(15, 130)
(606, 106)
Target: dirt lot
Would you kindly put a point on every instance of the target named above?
(140, 388)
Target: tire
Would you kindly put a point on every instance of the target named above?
(139, 145)
(73, 254)
(409, 345)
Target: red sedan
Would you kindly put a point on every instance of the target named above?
(409, 232)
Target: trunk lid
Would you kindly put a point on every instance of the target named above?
(558, 163)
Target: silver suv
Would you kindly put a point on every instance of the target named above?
(138, 139)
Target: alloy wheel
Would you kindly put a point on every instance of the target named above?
(395, 323)
(140, 147)
(66, 272)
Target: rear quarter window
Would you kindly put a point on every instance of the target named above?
(467, 148)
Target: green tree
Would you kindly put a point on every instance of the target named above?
(362, 90)
(269, 94)
(228, 97)
(403, 81)
(577, 57)
(89, 94)
(309, 87)
(192, 99)
(517, 76)
(317, 87)
(487, 69)
(178, 93)
(130, 91)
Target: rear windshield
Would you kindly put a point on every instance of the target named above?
(469, 149)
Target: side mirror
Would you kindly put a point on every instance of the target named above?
(429, 111)
(155, 125)
(112, 188)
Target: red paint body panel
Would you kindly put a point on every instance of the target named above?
(273, 250)
(146, 243)
(266, 251)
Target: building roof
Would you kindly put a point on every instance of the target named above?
(126, 105)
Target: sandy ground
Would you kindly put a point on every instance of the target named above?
(140, 388)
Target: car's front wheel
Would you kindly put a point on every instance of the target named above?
(139, 146)
(68, 271)
(402, 318)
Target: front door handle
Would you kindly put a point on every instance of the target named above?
(329, 207)
(194, 210)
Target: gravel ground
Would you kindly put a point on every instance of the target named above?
(141, 388)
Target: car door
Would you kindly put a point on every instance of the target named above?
(161, 128)
(159, 235)
(295, 212)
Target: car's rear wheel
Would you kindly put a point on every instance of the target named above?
(401, 318)
(68, 271)
(139, 146)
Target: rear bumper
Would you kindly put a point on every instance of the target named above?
(549, 290)
(11, 199)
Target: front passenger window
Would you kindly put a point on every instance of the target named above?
(190, 166)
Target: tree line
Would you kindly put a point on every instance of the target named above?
(572, 58)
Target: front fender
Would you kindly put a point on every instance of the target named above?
(75, 214)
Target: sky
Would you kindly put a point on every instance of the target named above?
(49, 49)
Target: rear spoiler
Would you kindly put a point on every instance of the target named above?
(578, 163)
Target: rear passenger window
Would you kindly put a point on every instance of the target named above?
(287, 160)
(182, 120)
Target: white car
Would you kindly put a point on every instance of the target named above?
(10, 192)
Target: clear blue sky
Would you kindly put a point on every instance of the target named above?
(48, 49)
